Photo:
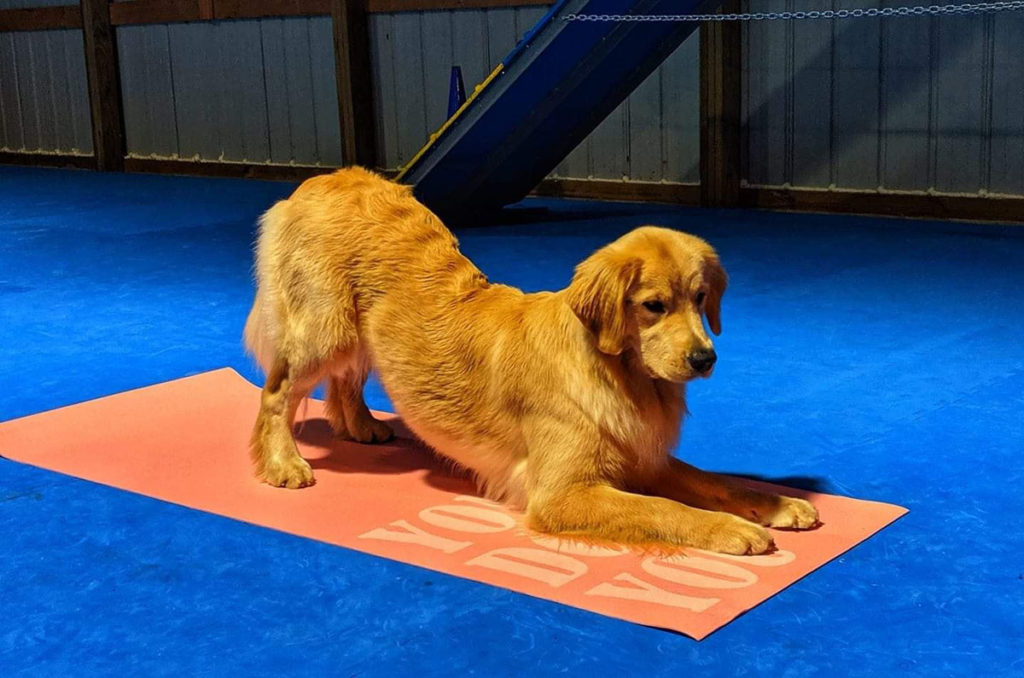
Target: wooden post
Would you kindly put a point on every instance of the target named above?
(721, 52)
(355, 83)
(104, 86)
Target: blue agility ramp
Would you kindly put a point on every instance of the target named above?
(558, 84)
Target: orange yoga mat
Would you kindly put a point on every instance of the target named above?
(186, 441)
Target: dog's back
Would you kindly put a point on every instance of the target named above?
(353, 273)
(324, 256)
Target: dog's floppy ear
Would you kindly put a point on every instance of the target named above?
(598, 293)
(715, 277)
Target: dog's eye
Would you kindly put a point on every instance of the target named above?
(700, 298)
(654, 306)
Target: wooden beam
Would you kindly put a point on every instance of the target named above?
(721, 94)
(268, 172)
(630, 191)
(104, 86)
(355, 82)
(177, 11)
(154, 12)
(1005, 208)
(48, 159)
(206, 12)
(382, 6)
(256, 9)
(40, 18)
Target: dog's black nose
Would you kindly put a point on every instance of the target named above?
(702, 360)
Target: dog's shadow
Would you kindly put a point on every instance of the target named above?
(806, 483)
(400, 455)
(405, 454)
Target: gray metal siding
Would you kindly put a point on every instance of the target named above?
(653, 136)
(915, 103)
(147, 85)
(413, 53)
(1006, 140)
(44, 96)
(907, 93)
(247, 91)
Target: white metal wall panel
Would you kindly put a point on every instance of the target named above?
(811, 87)
(962, 101)
(409, 84)
(325, 92)
(1006, 171)
(906, 93)
(194, 49)
(381, 38)
(653, 136)
(915, 103)
(253, 91)
(44, 97)
(855, 101)
(413, 54)
(904, 103)
(680, 117)
(768, 96)
(148, 90)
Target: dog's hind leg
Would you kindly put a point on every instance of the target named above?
(346, 409)
(272, 447)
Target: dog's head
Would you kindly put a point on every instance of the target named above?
(649, 292)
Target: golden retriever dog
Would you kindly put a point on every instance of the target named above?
(565, 404)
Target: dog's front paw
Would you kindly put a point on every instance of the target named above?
(791, 513)
(733, 535)
(293, 473)
(369, 430)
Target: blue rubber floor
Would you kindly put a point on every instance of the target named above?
(879, 359)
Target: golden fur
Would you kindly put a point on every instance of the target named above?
(566, 404)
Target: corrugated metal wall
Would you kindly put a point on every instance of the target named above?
(256, 91)
(413, 53)
(44, 97)
(653, 136)
(911, 103)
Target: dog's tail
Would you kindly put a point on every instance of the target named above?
(261, 325)
(254, 336)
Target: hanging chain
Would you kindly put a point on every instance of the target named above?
(908, 10)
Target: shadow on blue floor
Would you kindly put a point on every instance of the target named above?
(874, 358)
